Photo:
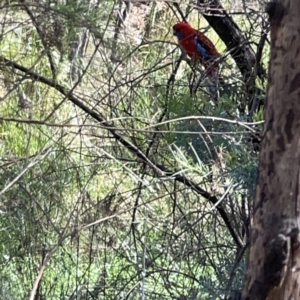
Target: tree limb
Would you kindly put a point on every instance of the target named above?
(161, 170)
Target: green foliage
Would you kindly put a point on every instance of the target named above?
(106, 223)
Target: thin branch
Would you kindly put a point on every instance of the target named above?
(41, 35)
(161, 170)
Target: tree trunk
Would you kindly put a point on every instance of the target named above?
(240, 48)
(274, 262)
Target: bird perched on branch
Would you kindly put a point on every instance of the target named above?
(198, 47)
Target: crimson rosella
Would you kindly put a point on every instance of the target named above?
(197, 46)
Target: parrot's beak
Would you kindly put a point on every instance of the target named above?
(174, 32)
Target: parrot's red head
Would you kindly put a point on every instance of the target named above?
(182, 30)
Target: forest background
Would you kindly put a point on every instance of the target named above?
(126, 173)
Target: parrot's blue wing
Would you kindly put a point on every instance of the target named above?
(201, 49)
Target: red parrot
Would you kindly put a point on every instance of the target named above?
(197, 46)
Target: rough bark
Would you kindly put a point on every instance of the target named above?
(274, 261)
